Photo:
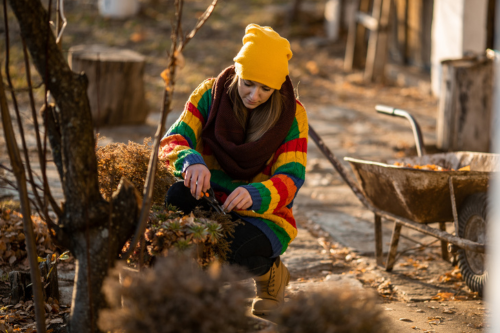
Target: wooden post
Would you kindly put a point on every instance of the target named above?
(376, 57)
(355, 55)
(465, 105)
(116, 86)
(391, 258)
(399, 33)
(414, 31)
(444, 244)
(379, 245)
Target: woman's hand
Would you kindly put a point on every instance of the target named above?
(197, 178)
(239, 199)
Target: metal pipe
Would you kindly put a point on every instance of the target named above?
(417, 133)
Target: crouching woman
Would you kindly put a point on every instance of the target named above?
(244, 135)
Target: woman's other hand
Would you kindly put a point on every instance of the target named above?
(197, 178)
(239, 199)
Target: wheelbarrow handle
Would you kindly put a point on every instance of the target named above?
(417, 133)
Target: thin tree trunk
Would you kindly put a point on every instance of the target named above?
(92, 231)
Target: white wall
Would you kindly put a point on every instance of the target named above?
(458, 26)
(492, 292)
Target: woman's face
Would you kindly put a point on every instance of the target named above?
(253, 93)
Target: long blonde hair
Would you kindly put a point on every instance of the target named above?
(261, 119)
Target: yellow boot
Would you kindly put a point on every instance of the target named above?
(271, 289)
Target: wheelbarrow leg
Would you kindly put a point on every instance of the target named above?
(444, 244)
(378, 241)
(391, 258)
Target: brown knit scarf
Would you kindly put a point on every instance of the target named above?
(226, 137)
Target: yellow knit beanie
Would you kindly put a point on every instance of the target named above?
(263, 57)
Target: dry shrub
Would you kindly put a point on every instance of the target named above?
(118, 160)
(169, 229)
(335, 310)
(174, 296)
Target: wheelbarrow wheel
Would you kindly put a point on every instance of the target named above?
(472, 226)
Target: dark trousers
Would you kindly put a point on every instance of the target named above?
(250, 247)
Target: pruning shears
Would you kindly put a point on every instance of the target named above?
(209, 196)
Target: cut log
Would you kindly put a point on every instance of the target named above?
(116, 85)
(465, 105)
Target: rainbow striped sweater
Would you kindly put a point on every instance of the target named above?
(272, 191)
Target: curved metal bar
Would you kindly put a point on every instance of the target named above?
(417, 133)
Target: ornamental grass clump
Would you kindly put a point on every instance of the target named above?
(335, 310)
(168, 230)
(131, 161)
(176, 295)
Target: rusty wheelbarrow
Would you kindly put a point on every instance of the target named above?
(415, 197)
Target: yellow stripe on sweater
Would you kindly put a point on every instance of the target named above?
(292, 156)
(193, 122)
(275, 196)
(172, 155)
(198, 93)
(301, 116)
(260, 178)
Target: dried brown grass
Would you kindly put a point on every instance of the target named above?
(174, 296)
(131, 161)
(335, 310)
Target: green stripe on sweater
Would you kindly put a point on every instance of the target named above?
(294, 131)
(265, 196)
(182, 128)
(179, 163)
(293, 168)
(282, 235)
(204, 103)
(222, 179)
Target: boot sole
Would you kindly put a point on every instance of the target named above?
(268, 312)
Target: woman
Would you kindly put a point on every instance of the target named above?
(245, 135)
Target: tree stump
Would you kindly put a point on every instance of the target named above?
(21, 287)
(465, 105)
(116, 85)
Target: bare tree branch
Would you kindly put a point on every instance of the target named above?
(41, 158)
(178, 43)
(16, 107)
(17, 167)
(201, 21)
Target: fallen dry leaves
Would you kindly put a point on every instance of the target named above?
(21, 317)
(12, 239)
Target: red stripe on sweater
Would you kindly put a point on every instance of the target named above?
(177, 140)
(191, 108)
(286, 213)
(282, 191)
(299, 145)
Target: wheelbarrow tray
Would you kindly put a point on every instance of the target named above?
(424, 195)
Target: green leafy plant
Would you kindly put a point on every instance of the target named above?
(205, 232)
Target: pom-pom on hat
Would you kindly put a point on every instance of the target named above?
(263, 57)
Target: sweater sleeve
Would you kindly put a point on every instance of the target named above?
(288, 170)
(179, 145)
